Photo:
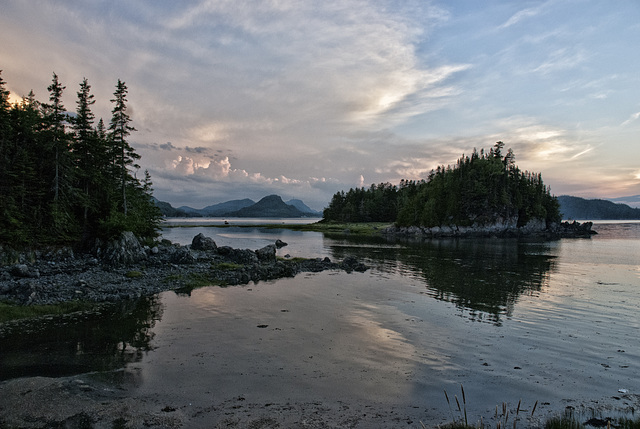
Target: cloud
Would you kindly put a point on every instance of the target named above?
(167, 146)
(522, 15)
(199, 149)
(634, 117)
(315, 97)
(542, 144)
(562, 59)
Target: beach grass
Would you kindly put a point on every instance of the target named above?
(504, 419)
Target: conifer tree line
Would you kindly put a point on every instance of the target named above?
(481, 189)
(65, 178)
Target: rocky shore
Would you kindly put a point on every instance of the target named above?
(124, 269)
(506, 228)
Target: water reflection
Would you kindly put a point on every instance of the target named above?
(67, 345)
(482, 277)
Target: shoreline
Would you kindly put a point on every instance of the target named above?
(126, 270)
(107, 400)
(501, 229)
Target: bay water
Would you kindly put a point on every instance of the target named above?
(549, 322)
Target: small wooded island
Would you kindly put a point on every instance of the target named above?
(484, 194)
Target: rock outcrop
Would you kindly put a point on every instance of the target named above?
(500, 228)
(123, 269)
(200, 242)
(126, 250)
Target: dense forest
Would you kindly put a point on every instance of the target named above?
(479, 189)
(65, 178)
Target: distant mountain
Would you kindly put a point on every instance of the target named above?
(580, 208)
(169, 211)
(222, 209)
(189, 211)
(270, 206)
(633, 200)
(304, 208)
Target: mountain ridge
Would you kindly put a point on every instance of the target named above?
(269, 206)
(595, 209)
(630, 200)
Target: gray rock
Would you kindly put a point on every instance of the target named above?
(200, 242)
(350, 263)
(239, 256)
(534, 226)
(124, 251)
(172, 267)
(23, 270)
(267, 253)
(280, 244)
(181, 255)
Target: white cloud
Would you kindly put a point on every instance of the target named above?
(522, 15)
(562, 59)
(634, 117)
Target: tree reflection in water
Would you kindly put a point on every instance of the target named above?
(483, 277)
(107, 339)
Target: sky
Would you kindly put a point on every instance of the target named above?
(240, 99)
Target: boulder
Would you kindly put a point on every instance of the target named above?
(267, 253)
(534, 226)
(23, 270)
(181, 256)
(350, 263)
(239, 256)
(126, 250)
(575, 229)
(200, 242)
(280, 244)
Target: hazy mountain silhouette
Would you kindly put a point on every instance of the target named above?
(580, 208)
(269, 206)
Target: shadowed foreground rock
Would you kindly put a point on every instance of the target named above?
(123, 269)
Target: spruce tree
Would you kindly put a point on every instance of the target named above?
(9, 213)
(57, 153)
(5, 125)
(124, 155)
(5, 138)
(55, 115)
(85, 149)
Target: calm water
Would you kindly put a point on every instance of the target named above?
(555, 322)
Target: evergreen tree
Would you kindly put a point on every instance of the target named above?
(124, 155)
(6, 212)
(57, 153)
(55, 115)
(5, 123)
(86, 148)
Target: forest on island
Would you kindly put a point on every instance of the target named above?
(480, 189)
(65, 178)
